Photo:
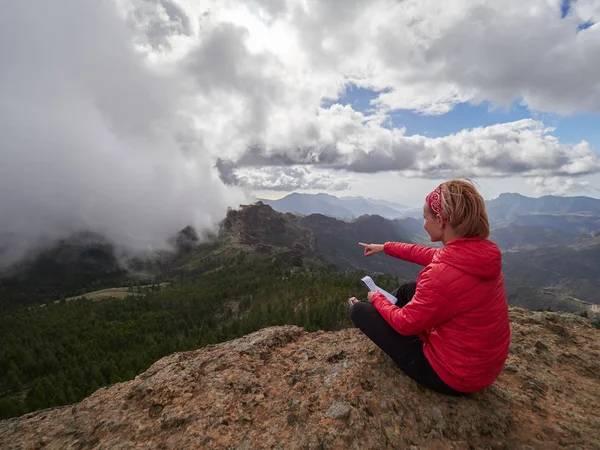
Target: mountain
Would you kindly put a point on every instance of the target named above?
(282, 387)
(558, 271)
(315, 240)
(344, 208)
(337, 241)
(395, 205)
(87, 261)
(541, 219)
(508, 207)
(544, 268)
(252, 233)
(572, 215)
(262, 268)
(523, 222)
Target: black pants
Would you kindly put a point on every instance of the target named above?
(405, 351)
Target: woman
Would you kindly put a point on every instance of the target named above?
(448, 331)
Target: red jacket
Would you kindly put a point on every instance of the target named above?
(459, 310)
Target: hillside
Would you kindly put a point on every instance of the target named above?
(337, 241)
(573, 223)
(88, 262)
(62, 352)
(513, 236)
(570, 269)
(284, 388)
(250, 232)
(85, 261)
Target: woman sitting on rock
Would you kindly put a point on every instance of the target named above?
(449, 331)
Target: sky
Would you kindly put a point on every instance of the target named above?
(135, 118)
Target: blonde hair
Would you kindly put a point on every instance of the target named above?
(464, 208)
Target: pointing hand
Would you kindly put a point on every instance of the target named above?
(371, 249)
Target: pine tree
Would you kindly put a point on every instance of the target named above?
(13, 381)
(36, 397)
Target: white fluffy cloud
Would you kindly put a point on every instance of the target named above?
(291, 179)
(120, 115)
(524, 147)
(562, 186)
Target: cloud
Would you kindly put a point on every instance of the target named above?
(262, 69)
(291, 179)
(562, 186)
(586, 11)
(92, 138)
(158, 23)
(434, 55)
(135, 117)
(263, 72)
(524, 147)
(428, 56)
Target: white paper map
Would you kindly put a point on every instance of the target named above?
(370, 284)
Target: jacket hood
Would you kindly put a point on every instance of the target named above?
(474, 256)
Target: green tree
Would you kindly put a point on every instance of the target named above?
(10, 407)
(13, 381)
(36, 397)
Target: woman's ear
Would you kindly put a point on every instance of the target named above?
(441, 222)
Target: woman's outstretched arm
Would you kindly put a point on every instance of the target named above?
(414, 253)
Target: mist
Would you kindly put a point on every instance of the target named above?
(92, 137)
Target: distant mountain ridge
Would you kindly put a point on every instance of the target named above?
(549, 211)
(508, 206)
(329, 205)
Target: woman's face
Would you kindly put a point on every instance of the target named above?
(432, 224)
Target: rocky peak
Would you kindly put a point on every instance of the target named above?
(185, 240)
(282, 387)
(265, 230)
(254, 222)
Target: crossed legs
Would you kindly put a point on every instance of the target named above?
(405, 351)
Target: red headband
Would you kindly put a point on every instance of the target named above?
(434, 200)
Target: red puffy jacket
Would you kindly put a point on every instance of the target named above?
(459, 310)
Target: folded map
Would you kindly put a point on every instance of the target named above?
(371, 286)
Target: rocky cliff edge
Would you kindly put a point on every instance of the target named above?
(284, 388)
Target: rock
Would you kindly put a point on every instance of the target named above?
(337, 356)
(291, 418)
(338, 410)
(437, 415)
(540, 346)
(282, 387)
